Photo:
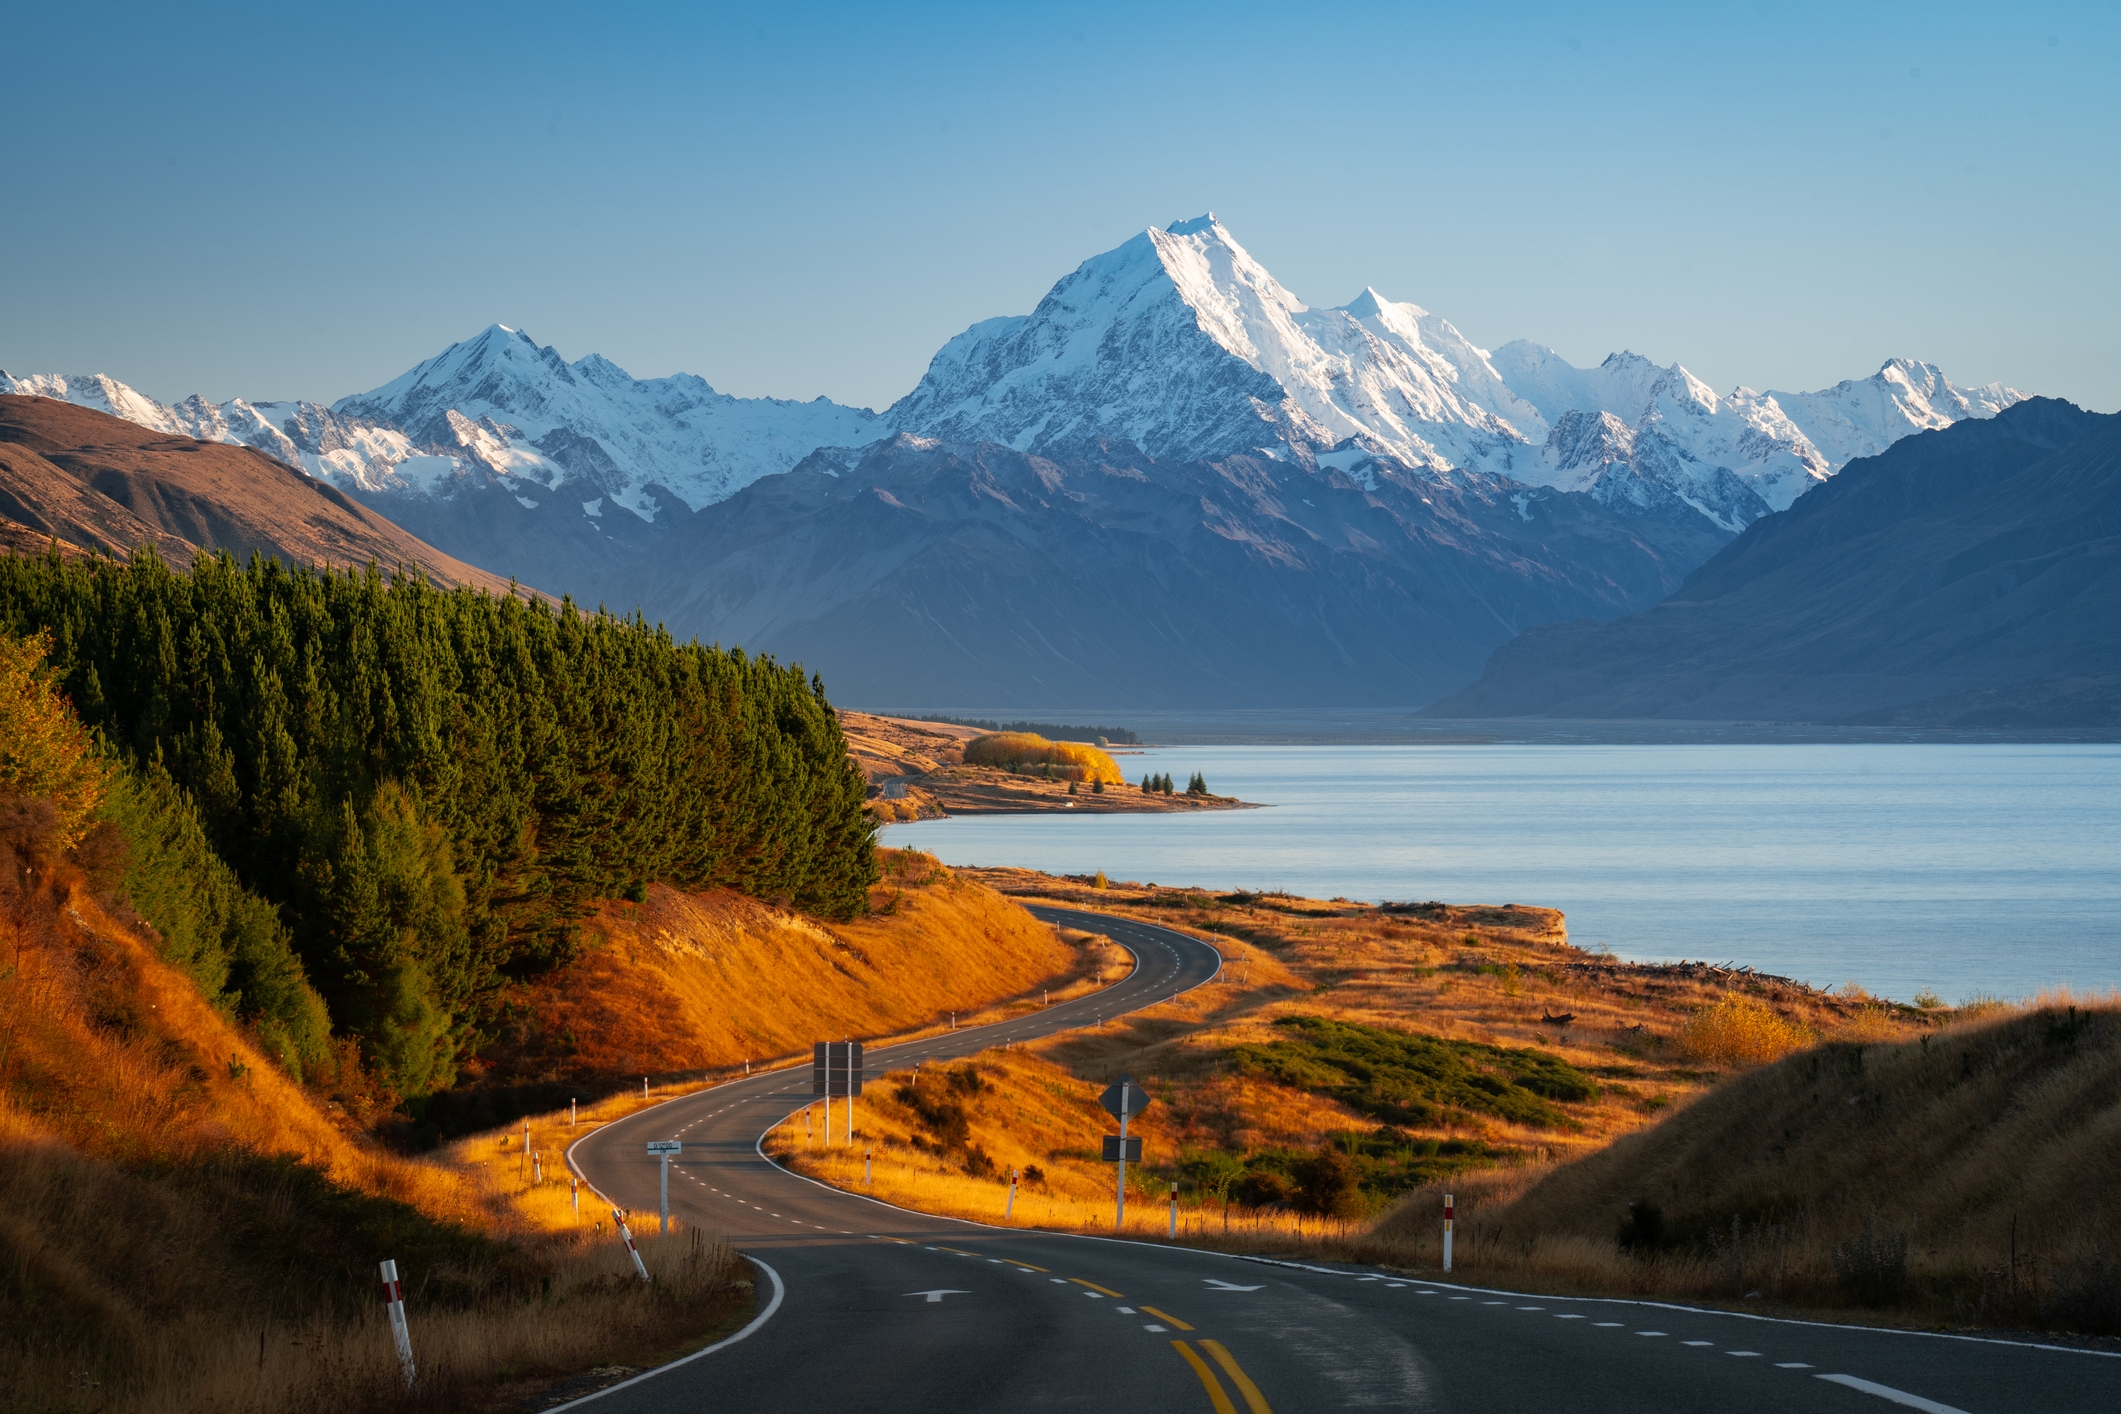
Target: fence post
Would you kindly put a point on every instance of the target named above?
(394, 1298)
(626, 1234)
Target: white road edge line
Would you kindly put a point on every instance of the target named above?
(1652, 1305)
(779, 1291)
(1897, 1396)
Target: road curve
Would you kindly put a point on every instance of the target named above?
(884, 1309)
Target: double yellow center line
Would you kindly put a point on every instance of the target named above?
(1254, 1400)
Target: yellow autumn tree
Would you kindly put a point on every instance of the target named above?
(45, 752)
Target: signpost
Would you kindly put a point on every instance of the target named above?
(1125, 1099)
(666, 1150)
(836, 1069)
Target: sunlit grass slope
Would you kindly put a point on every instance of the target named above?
(1969, 1174)
(702, 982)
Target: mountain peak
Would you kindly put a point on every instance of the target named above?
(1193, 227)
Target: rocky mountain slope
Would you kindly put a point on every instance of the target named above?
(99, 482)
(1965, 577)
(921, 572)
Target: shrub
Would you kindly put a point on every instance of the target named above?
(1643, 1228)
(1740, 1031)
(1327, 1183)
(1870, 1267)
(45, 753)
(1260, 1188)
(1025, 754)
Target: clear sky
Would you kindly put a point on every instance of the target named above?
(304, 201)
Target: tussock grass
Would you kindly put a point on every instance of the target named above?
(1738, 1030)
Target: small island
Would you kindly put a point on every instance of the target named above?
(931, 770)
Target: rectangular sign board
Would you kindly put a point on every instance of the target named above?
(1134, 1149)
(836, 1069)
(665, 1146)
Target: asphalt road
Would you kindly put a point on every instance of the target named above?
(875, 1308)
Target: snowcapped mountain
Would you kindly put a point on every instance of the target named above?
(1176, 341)
(532, 420)
(1181, 343)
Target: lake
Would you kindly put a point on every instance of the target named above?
(1990, 868)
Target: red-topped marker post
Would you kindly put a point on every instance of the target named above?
(1447, 1232)
(394, 1298)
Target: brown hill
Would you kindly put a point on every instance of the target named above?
(109, 485)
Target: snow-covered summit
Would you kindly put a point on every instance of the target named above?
(522, 412)
(1182, 343)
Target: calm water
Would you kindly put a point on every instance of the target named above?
(1963, 868)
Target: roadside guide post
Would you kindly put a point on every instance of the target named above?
(574, 1196)
(626, 1235)
(1174, 1208)
(666, 1150)
(1447, 1232)
(1010, 1206)
(867, 1155)
(570, 1114)
(394, 1298)
(1124, 1099)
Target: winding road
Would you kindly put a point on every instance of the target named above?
(864, 1306)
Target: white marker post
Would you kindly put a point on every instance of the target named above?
(867, 1155)
(1447, 1232)
(1010, 1206)
(574, 1196)
(570, 1114)
(1174, 1211)
(666, 1150)
(394, 1298)
(644, 1087)
(626, 1235)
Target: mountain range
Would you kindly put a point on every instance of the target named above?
(1967, 577)
(1175, 350)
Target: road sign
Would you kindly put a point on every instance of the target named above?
(836, 1069)
(1124, 1098)
(665, 1146)
(1133, 1150)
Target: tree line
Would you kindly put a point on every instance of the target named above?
(418, 791)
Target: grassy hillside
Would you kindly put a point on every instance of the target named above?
(184, 1227)
(700, 982)
(1967, 1175)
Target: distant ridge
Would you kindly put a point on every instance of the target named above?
(100, 483)
(1968, 577)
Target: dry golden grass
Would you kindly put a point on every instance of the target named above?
(1711, 1091)
(1737, 1030)
(1029, 753)
(688, 984)
(1989, 1145)
(184, 1228)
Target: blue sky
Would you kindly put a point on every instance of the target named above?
(809, 199)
